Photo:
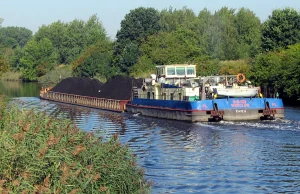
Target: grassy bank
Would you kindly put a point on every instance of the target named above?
(40, 154)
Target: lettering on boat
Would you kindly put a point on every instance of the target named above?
(241, 111)
(240, 103)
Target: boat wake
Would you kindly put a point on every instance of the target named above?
(278, 124)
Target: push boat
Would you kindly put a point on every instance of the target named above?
(175, 92)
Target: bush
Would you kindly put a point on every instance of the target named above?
(56, 75)
(11, 76)
(40, 154)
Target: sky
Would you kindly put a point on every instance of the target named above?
(32, 14)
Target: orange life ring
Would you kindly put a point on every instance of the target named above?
(240, 77)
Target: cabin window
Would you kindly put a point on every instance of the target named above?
(153, 95)
(148, 95)
(190, 71)
(165, 96)
(179, 96)
(171, 70)
(172, 96)
(180, 70)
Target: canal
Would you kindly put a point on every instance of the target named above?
(179, 157)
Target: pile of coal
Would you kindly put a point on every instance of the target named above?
(79, 85)
(119, 87)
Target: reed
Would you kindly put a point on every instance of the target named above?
(40, 154)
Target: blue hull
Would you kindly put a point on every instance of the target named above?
(203, 110)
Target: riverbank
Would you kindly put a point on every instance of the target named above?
(45, 154)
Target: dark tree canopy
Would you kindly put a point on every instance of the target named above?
(281, 29)
(138, 24)
(12, 37)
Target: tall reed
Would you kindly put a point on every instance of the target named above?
(40, 154)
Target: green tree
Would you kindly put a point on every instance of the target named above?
(180, 46)
(138, 24)
(249, 33)
(172, 19)
(12, 37)
(1, 20)
(95, 61)
(39, 57)
(70, 39)
(219, 34)
(135, 27)
(281, 29)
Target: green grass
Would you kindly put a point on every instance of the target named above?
(40, 154)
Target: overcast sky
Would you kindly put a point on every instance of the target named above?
(32, 14)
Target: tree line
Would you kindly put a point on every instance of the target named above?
(228, 41)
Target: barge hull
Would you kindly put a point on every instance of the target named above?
(199, 116)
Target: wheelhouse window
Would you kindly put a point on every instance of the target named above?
(171, 70)
(190, 71)
(180, 70)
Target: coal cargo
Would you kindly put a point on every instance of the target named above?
(118, 88)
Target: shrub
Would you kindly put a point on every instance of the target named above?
(40, 154)
(56, 75)
(11, 76)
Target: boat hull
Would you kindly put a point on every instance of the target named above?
(232, 109)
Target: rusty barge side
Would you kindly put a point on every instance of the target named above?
(93, 102)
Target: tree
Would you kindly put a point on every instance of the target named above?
(70, 39)
(1, 20)
(138, 24)
(219, 33)
(95, 61)
(249, 33)
(135, 27)
(39, 57)
(12, 37)
(281, 29)
(180, 46)
(172, 19)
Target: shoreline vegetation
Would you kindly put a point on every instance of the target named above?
(41, 154)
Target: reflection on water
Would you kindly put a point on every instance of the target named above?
(179, 157)
(19, 89)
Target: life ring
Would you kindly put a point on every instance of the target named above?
(240, 77)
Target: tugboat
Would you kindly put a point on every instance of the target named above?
(175, 92)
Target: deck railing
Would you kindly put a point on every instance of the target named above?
(94, 102)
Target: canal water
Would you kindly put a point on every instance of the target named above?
(179, 157)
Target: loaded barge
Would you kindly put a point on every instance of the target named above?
(175, 92)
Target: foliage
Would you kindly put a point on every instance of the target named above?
(1, 20)
(95, 61)
(11, 76)
(233, 67)
(56, 75)
(180, 46)
(279, 70)
(281, 29)
(143, 68)
(249, 33)
(4, 66)
(39, 57)
(12, 37)
(172, 19)
(40, 154)
(135, 27)
(70, 39)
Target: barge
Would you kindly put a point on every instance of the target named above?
(175, 92)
